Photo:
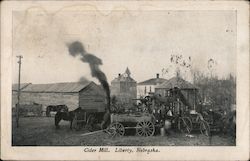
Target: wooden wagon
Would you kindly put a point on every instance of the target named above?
(143, 123)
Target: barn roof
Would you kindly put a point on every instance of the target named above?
(66, 87)
(153, 81)
(22, 86)
(176, 82)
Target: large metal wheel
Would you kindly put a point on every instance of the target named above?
(116, 129)
(204, 128)
(185, 125)
(145, 128)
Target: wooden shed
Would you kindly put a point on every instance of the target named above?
(188, 90)
(87, 95)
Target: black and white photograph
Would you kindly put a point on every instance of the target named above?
(97, 77)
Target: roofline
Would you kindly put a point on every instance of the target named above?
(87, 86)
(194, 86)
(44, 92)
(90, 82)
(26, 85)
(141, 83)
(177, 87)
(149, 83)
(133, 81)
(146, 84)
(50, 83)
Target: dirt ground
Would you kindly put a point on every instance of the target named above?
(41, 131)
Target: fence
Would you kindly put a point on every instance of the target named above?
(26, 110)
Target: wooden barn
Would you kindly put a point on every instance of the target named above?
(87, 95)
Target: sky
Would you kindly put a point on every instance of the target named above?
(143, 41)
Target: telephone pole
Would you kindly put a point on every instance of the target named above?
(19, 90)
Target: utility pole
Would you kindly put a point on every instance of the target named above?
(19, 90)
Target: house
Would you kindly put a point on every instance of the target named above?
(148, 86)
(124, 87)
(188, 90)
(87, 95)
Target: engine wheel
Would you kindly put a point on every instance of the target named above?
(145, 128)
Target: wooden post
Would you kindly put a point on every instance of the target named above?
(19, 90)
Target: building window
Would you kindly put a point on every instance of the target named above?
(149, 88)
(145, 90)
(168, 93)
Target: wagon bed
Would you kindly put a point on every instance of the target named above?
(133, 118)
(142, 122)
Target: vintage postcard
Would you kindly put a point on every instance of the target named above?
(125, 80)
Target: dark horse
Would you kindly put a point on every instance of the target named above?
(56, 108)
(68, 116)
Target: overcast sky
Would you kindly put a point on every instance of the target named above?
(140, 40)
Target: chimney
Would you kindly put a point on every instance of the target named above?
(157, 75)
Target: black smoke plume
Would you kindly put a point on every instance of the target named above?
(77, 48)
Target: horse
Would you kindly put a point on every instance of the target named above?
(55, 108)
(68, 116)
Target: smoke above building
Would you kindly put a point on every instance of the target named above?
(77, 48)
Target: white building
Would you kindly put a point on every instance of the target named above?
(148, 86)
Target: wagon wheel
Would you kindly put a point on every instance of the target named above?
(185, 125)
(145, 128)
(116, 129)
(204, 128)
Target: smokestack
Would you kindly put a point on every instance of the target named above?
(157, 75)
(77, 48)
